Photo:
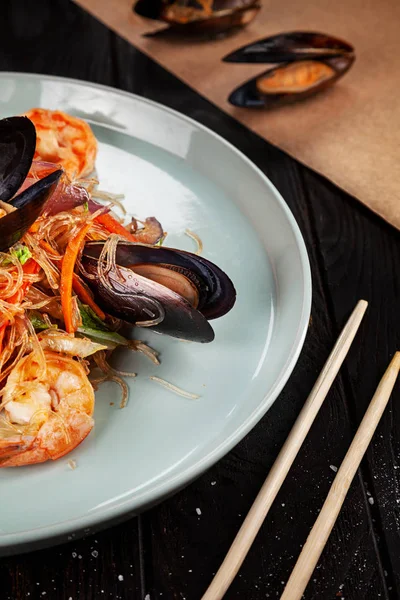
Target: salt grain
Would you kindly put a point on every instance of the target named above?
(120, 577)
(213, 483)
(74, 555)
(371, 500)
(334, 469)
(72, 464)
(147, 597)
(198, 511)
(95, 553)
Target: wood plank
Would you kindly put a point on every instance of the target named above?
(86, 569)
(345, 232)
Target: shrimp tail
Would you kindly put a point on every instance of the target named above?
(52, 443)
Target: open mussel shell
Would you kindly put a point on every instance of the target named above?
(172, 291)
(189, 17)
(286, 47)
(290, 82)
(17, 147)
(29, 206)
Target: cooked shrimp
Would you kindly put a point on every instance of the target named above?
(46, 412)
(65, 140)
(68, 344)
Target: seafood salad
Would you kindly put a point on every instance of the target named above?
(73, 278)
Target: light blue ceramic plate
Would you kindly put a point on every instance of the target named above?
(171, 167)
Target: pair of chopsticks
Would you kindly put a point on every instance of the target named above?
(323, 526)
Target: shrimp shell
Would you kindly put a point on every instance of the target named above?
(56, 427)
(65, 140)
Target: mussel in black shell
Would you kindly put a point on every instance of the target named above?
(171, 291)
(200, 16)
(26, 208)
(287, 47)
(17, 147)
(310, 62)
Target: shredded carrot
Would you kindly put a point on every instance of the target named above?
(85, 296)
(113, 226)
(78, 286)
(3, 328)
(34, 228)
(49, 249)
(67, 274)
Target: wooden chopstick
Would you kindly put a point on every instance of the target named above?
(319, 534)
(259, 510)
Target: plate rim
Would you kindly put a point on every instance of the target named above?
(179, 481)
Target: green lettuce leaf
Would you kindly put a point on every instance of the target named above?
(111, 339)
(90, 320)
(37, 321)
(95, 329)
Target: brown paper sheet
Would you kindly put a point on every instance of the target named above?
(350, 133)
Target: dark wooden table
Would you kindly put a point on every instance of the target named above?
(172, 552)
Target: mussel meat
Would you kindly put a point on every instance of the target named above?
(200, 16)
(172, 291)
(311, 62)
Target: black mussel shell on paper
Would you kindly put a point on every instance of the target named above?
(199, 17)
(287, 47)
(308, 63)
(290, 82)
